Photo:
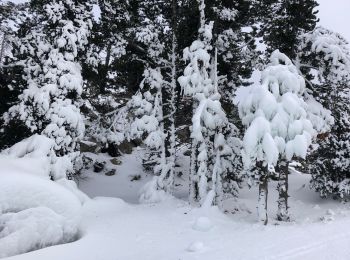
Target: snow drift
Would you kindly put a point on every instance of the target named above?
(35, 212)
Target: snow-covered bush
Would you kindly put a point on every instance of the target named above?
(40, 150)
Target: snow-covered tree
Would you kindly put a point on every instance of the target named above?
(279, 128)
(233, 32)
(327, 55)
(15, 21)
(284, 21)
(210, 150)
(148, 109)
(50, 103)
(149, 115)
(107, 44)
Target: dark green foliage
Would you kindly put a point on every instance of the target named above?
(285, 21)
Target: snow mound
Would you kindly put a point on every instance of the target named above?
(203, 224)
(29, 229)
(35, 155)
(35, 213)
(195, 247)
(150, 193)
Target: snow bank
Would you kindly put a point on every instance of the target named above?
(36, 212)
(150, 193)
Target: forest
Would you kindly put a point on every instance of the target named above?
(223, 108)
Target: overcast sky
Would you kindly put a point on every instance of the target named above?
(335, 15)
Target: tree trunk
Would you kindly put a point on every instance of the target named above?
(104, 71)
(193, 178)
(169, 110)
(282, 188)
(2, 48)
(263, 193)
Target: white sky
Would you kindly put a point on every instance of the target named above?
(335, 15)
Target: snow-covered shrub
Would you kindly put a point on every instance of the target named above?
(40, 150)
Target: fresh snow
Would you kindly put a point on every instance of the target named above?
(35, 213)
(114, 228)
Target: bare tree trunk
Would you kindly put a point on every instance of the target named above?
(282, 187)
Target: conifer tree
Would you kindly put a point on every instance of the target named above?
(107, 45)
(328, 55)
(50, 103)
(285, 21)
(279, 128)
(210, 150)
(15, 22)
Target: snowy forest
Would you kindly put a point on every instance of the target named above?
(173, 129)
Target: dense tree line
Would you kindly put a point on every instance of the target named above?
(248, 87)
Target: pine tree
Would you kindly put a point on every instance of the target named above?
(278, 128)
(50, 103)
(14, 22)
(152, 109)
(210, 153)
(107, 45)
(328, 55)
(285, 21)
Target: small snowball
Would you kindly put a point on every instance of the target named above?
(330, 212)
(202, 224)
(316, 206)
(195, 246)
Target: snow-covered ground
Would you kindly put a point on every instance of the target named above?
(114, 226)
